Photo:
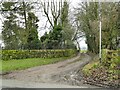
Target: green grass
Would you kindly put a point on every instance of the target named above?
(0, 65)
(93, 65)
(87, 68)
(83, 51)
(21, 64)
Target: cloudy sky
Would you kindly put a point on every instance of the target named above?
(73, 3)
(43, 20)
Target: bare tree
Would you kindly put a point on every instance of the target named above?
(54, 8)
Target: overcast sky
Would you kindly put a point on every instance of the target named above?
(43, 20)
(73, 3)
(42, 30)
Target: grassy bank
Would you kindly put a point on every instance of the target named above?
(88, 68)
(21, 64)
(106, 73)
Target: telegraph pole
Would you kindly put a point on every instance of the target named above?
(100, 52)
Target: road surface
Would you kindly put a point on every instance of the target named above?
(59, 75)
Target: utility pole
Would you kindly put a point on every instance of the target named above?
(100, 52)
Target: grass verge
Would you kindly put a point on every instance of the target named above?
(21, 64)
(87, 68)
(98, 74)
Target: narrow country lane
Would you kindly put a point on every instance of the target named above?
(64, 72)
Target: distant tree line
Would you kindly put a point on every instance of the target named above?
(20, 28)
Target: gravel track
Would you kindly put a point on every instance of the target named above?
(64, 72)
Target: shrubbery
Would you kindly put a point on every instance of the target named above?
(22, 54)
(110, 58)
(105, 73)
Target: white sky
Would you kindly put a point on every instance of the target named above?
(43, 20)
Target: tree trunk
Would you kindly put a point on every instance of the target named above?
(24, 14)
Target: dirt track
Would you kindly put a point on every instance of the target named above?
(65, 72)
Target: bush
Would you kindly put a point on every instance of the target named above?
(110, 57)
(23, 54)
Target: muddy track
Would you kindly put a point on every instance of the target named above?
(65, 72)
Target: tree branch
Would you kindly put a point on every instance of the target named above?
(46, 13)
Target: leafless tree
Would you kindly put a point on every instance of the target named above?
(52, 10)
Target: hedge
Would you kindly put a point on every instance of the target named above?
(23, 54)
(110, 57)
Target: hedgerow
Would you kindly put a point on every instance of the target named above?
(23, 54)
(105, 73)
(110, 58)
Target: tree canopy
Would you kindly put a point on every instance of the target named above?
(20, 27)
